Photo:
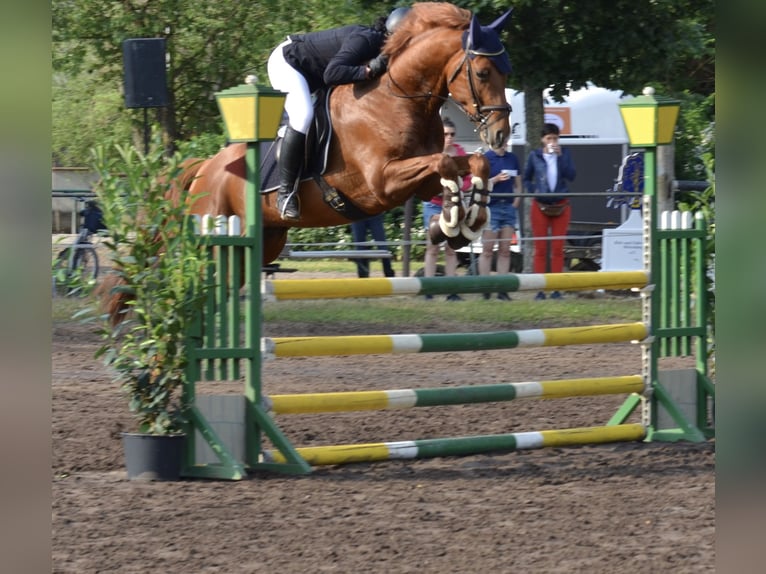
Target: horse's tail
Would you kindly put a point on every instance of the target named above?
(114, 302)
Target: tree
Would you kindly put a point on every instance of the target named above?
(617, 44)
(210, 46)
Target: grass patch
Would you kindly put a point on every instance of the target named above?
(64, 308)
(473, 311)
(472, 314)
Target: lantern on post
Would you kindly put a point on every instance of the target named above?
(650, 121)
(252, 114)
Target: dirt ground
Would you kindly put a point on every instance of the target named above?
(632, 507)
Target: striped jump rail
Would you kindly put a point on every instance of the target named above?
(282, 289)
(446, 342)
(461, 446)
(410, 398)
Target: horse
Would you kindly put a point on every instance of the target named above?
(387, 139)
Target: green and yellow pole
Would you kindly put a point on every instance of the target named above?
(253, 265)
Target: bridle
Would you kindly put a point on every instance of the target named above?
(482, 114)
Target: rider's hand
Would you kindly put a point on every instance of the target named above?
(378, 65)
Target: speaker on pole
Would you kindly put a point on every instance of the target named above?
(145, 78)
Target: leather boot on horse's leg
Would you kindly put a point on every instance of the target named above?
(290, 163)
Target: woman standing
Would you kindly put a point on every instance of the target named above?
(547, 171)
(504, 217)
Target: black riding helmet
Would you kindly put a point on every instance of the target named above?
(395, 18)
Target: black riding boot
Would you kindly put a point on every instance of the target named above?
(290, 163)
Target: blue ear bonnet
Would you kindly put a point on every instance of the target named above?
(485, 41)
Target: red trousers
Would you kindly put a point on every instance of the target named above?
(547, 226)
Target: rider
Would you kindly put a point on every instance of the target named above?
(92, 219)
(304, 63)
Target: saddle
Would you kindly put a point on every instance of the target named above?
(315, 160)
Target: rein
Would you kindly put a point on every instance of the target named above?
(405, 95)
(482, 114)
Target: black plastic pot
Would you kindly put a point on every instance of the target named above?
(153, 457)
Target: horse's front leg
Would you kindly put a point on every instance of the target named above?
(453, 210)
(477, 213)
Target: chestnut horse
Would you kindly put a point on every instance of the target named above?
(387, 140)
(387, 137)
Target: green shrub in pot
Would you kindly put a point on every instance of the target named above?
(157, 261)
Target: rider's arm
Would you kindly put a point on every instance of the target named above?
(349, 65)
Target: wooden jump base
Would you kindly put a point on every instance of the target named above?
(461, 446)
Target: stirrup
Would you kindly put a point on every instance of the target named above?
(289, 206)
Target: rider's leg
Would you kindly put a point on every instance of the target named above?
(298, 107)
(291, 156)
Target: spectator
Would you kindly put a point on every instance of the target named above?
(547, 171)
(433, 208)
(504, 173)
(92, 217)
(359, 231)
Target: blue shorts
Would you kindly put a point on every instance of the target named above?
(503, 214)
(429, 210)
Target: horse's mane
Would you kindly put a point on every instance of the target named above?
(425, 16)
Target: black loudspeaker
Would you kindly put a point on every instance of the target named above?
(145, 79)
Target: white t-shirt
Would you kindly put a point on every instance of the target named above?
(552, 170)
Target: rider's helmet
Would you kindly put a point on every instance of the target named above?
(395, 18)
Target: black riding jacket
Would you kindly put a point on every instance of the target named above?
(333, 57)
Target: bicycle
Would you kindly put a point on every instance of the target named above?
(76, 266)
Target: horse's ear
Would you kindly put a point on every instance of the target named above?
(500, 23)
(474, 33)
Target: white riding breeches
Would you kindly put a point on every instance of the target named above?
(285, 78)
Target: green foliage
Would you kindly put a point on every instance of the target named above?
(695, 136)
(617, 44)
(68, 281)
(210, 46)
(159, 260)
(86, 112)
(202, 146)
(705, 203)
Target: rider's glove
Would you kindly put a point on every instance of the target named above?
(378, 65)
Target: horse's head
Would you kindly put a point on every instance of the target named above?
(480, 89)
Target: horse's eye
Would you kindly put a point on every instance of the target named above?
(483, 75)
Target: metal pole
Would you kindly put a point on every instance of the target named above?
(651, 303)
(146, 132)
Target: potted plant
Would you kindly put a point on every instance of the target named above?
(157, 260)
